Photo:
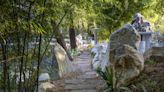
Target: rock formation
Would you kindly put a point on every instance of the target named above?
(64, 64)
(100, 56)
(125, 60)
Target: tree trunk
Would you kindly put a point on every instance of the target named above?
(72, 38)
(60, 39)
(4, 68)
(39, 59)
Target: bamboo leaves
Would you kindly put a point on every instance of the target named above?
(37, 28)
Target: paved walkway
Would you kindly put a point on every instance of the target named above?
(88, 80)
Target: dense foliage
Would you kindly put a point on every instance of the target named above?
(24, 22)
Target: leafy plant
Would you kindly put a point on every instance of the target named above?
(107, 75)
(93, 54)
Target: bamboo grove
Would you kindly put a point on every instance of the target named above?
(28, 26)
(23, 25)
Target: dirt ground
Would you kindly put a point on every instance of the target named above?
(151, 79)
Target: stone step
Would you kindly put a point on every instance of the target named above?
(87, 58)
(83, 61)
(85, 65)
(83, 56)
(87, 76)
(91, 72)
(88, 81)
(85, 90)
(74, 81)
(85, 69)
(84, 81)
(79, 63)
(80, 86)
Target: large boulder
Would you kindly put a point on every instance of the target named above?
(64, 64)
(127, 64)
(155, 54)
(55, 63)
(126, 35)
(125, 60)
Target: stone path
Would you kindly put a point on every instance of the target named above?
(88, 80)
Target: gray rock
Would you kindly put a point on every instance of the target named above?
(64, 64)
(56, 63)
(127, 64)
(126, 35)
(44, 86)
(125, 60)
(100, 58)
